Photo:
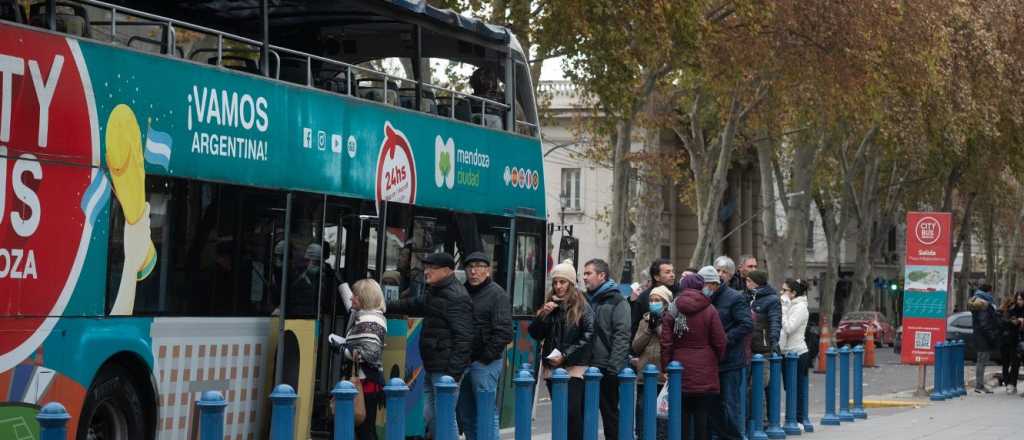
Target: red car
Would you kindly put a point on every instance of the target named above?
(853, 328)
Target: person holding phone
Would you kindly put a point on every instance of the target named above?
(565, 325)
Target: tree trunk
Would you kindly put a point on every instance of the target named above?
(798, 217)
(990, 246)
(651, 201)
(621, 227)
(1011, 253)
(773, 246)
(828, 214)
(966, 269)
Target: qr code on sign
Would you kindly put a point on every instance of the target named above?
(922, 340)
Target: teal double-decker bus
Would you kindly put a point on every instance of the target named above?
(169, 168)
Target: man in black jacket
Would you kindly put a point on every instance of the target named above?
(726, 419)
(611, 339)
(662, 274)
(446, 338)
(492, 319)
(985, 327)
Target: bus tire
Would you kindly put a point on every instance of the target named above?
(112, 408)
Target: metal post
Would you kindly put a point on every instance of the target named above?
(830, 418)
(265, 47)
(344, 421)
(627, 403)
(282, 416)
(844, 384)
(743, 416)
(803, 405)
(792, 390)
(940, 373)
(444, 409)
(675, 400)
(395, 393)
(960, 348)
(211, 415)
(524, 400)
(51, 14)
(858, 383)
(53, 420)
(774, 431)
(279, 365)
(560, 404)
(591, 398)
(757, 398)
(650, 402)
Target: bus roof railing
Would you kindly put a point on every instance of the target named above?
(460, 105)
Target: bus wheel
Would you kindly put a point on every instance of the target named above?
(112, 409)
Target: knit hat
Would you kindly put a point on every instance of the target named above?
(709, 274)
(692, 282)
(663, 293)
(565, 271)
(759, 277)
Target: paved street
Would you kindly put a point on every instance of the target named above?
(889, 381)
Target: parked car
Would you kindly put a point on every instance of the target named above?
(958, 326)
(853, 328)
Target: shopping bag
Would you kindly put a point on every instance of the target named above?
(663, 402)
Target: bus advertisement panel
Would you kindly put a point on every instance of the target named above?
(81, 126)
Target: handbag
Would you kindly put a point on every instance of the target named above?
(359, 402)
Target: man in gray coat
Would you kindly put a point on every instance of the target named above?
(611, 338)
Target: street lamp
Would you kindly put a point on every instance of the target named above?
(563, 201)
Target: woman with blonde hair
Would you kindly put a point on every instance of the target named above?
(565, 324)
(362, 347)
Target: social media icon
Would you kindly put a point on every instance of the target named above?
(336, 143)
(307, 138)
(321, 140)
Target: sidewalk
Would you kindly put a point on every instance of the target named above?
(975, 417)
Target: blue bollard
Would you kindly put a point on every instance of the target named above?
(792, 391)
(675, 400)
(947, 370)
(560, 404)
(211, 415)
(591, 400)
(961, 348)
(444, 409)
(650, 402)
(844, 385)
(774, 431)
(858, 383)
(952, 389)
(830, 418)
(344, 423)
(486, 415)
(757, 398)
(627, 403)
(282, 416)
(744, 420)
(395, 392)
(53, 420)
(803, 405)
(940, 374)
(524, 404)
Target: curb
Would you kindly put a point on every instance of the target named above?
(893, 404)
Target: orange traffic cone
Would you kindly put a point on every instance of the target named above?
(869, 347)
(824, 342)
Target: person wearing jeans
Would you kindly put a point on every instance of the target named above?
(985, 326)
(727, 415)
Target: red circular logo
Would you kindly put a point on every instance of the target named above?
(49, 159)
(396, 168)
(928, 230)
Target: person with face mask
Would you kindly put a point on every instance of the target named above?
(691, 333)
(727, 416)
(647, 345)
(565, 327)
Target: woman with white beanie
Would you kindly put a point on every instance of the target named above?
(565, 325)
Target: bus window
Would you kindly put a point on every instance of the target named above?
(308, 278)
(528, 283)
(215, 250)
(526, 107)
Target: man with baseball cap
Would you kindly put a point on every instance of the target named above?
(492, 321)
(446, 339)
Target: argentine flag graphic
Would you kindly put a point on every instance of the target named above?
(158, 148)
